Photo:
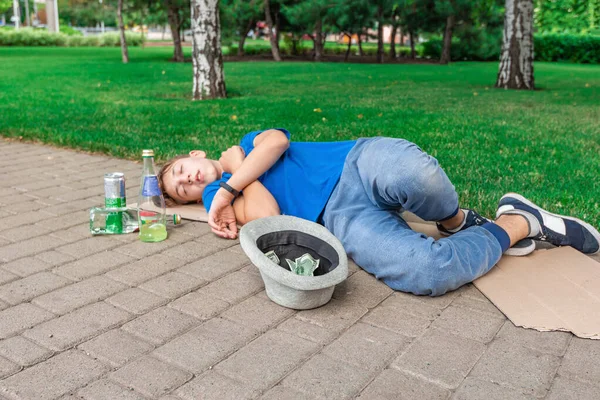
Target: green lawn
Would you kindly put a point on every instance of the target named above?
(544, 144)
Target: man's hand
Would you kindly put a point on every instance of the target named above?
(221, 217)
(232, 158)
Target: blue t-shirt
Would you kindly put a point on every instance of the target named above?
(301, 180)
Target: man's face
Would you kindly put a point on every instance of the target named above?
(186, 179)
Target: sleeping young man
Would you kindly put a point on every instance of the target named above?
(357, 189)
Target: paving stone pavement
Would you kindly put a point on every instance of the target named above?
(112, 318)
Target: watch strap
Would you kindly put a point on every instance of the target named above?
(231, 190)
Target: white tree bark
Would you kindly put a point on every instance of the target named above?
(209, 80)
(516, 59)
(52, 16)
(17, 14)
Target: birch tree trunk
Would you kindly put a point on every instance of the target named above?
(445, 58)
(516, 59)
(124, 52)
(209, 80)
(175, 24)
(319, 40)
(17, 14)
(272, 37)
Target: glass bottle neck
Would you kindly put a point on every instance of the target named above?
(148, 166)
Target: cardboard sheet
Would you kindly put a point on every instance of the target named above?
(556, 289)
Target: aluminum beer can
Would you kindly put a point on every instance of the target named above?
(114, 197)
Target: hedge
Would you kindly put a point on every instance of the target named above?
(547, 47)
(41, 37)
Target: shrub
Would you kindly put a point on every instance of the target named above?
(547, 47)
(69, 31)
(41, 37)
(567, 47)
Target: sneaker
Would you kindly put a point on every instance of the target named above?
(555, 229)
(521, 248)
(471, 219)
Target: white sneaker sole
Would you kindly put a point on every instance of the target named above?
(521, 251)
(589, 227)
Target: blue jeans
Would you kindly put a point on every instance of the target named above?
(383, 176)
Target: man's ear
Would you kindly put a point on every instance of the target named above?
(197, 153)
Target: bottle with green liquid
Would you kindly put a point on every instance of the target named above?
(151, 205)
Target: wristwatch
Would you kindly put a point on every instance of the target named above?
(231, 190)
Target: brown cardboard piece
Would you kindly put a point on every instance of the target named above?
(549, 290)
(556, 289)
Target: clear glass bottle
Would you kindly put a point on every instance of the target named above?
(102, 220)
(151, 204)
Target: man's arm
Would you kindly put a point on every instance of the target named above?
(268, 147)
(256, 202)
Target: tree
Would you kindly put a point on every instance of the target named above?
(175, 17)
(309, 16)
(207, 58)
(272, 34)
(240, 16)
(516, 59)
(124, 52)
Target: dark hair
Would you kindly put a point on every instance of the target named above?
(170, 202)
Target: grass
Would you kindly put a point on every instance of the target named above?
(544, 144)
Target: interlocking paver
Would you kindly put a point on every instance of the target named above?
(440, 357)
(22, 351)
(212, 385)
(326, 378)
(567, 389)
(25, 232)
(396, 385)
(362, 288)
(367, 347)
(6, 277)
(335, 315)
(143, 270)
(70, 329)
(307, 330)
(160, 325)
(54, 258)
(86, 247)
(214, 266)
(258, 311)
(136, 301)
(581, 361)
(150, 376)
(477, 305)
(199, 305)
(469, 323)
(473, 388)
(518, 367)
(93, 265)
(546, 342)
(27, 266)
(52, 378)
(105, 389)
(115, 347)
(190, 251)
(15, 319)
(203, 347)
(234, 287)
(172, 285)
(267, 359)
(29, 287)
(69, 298)
(7, 367)
(28, 247)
